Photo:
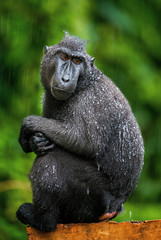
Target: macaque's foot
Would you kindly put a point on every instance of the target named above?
(108, 216)
(25, 213)
(40, 145)
(45, 222)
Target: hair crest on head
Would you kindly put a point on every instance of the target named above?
(73, 42)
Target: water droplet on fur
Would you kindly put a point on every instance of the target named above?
(98, 166)
(54, 169)
(87, 190)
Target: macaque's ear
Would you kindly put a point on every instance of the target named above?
(92, 61)
(46, 48)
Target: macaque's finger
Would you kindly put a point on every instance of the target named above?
(43, 150)
(38, 139)
(49, 147)
(42, 144)
(39, 134)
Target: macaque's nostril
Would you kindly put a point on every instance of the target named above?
(65, 79)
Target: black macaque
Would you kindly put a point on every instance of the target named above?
(88, 144)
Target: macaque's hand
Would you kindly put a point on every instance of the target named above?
(40, 145)
(31, 137)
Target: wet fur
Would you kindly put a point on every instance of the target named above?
(99, 149)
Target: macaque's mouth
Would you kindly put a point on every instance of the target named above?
(60, 94)
(61, 90)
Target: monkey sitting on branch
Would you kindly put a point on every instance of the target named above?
(88, 144)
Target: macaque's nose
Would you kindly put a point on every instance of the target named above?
(65, 78)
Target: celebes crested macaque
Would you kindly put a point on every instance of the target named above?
(88, 144)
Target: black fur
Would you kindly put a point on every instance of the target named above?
(90, 149)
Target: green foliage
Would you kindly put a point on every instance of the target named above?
(139, 212)
(125, 38)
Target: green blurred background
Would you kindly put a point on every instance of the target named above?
(125, 38)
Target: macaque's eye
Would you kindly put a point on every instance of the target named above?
(76, 60)
(64, 57)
